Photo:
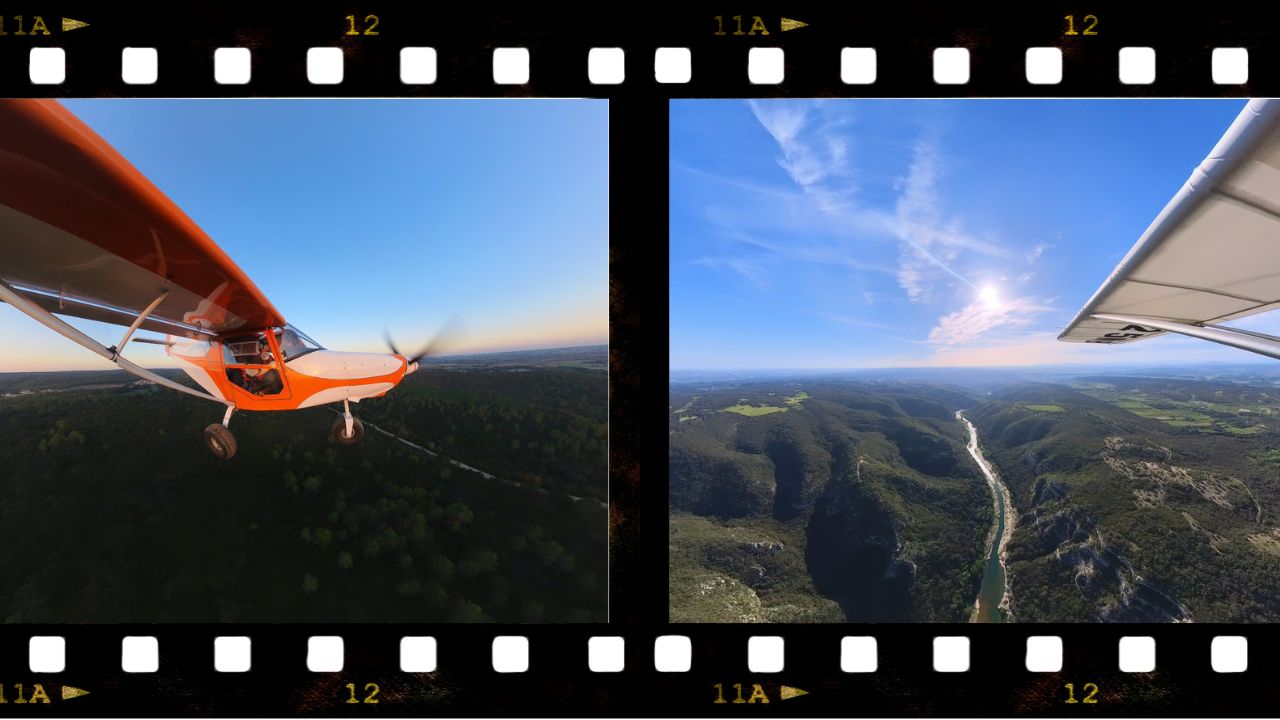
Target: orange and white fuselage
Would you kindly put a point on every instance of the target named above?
(315, 378)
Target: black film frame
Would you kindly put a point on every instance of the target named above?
(559, 682)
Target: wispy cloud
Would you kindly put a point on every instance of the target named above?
(839, 254)
(829, 222)
(964, 326)
(814, 154)
(929, 242)
(736, 182)
(749, 270)
(1037, 251)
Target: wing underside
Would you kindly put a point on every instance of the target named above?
(83, 233)
(1212, 254)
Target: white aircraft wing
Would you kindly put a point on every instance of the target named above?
(1212, 254)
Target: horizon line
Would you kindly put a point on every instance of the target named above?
(976, 367)
(454, 355)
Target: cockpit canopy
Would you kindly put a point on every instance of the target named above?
(294, 343)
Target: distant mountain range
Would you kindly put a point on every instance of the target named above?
(984, 378)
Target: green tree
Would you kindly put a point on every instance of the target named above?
(409, 587)
(467, 611)
(533, 611)
(440, 567)
(458, 515)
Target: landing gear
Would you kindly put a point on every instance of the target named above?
(340, 429)
(347, 430)
(219, 439)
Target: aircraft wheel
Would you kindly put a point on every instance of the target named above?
(340, 429)
(220, 441)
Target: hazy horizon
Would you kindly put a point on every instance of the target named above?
(108, 366)
(1088, 366)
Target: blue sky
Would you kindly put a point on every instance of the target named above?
(864, 233)
(353, 216)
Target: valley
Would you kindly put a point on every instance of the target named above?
(858, 503)
(1116, 499)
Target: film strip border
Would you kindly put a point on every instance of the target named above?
(610, 671)
(1051, 49)
(241, 49)
(452, 51)
(418, 66)
(606, 653)
(559, 679)
(691, 49)
(951, 66)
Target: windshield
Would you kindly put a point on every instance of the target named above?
(294, 343)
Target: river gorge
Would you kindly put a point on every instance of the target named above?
(992, 605)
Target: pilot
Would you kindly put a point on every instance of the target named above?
(264, 381)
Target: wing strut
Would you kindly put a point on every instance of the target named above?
(51, 321)
(138, 321)
(1242, 339)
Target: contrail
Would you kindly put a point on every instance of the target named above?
(920, 249)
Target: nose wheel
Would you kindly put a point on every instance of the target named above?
(347, 430)
(218, 438)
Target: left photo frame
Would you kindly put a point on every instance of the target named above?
(304, 360)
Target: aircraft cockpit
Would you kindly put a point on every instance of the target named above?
(294, 343)
(251, 364)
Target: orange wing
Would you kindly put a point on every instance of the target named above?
(84, 233)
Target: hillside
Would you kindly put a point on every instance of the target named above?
(1140, 500)
(823, 502)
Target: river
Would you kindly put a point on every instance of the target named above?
(993, 596)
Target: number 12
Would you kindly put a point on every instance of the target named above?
(1090, 699)
(370, 29)
(372, 689)
(1089, 29)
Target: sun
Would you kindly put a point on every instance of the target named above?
(990, 296)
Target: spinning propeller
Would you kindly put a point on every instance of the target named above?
(451, 332)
